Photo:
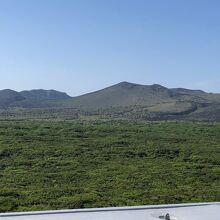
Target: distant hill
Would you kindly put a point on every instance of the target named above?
(31, 99)
(40, 94)
(127, 94)
(8, 96)
(124, 100)
(124, 94)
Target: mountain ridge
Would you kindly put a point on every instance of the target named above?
(44, 94)
(11, 98)
(124, 99)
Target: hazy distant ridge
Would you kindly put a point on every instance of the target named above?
(145, 101)
(11, 98)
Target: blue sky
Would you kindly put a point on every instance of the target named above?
(79, 46)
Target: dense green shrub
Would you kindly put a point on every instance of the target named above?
(80, 164)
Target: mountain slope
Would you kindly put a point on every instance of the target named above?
(127, 94)
(40, 94)
(153, 102)
(123, 100)
(8, 96)
(122, 95)
(31, 99)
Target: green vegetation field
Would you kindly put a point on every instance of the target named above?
(78, 164)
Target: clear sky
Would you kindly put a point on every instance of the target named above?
(78, 46)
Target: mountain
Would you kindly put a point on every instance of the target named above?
(31, 99)
(123, 100)
(124, 94)
(127, 94)
(8, 96)
(39, 94)
(150, 102)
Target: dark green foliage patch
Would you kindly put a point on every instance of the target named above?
(78, 164)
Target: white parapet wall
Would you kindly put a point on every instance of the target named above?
(195, 211)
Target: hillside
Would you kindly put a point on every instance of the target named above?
(150, 102)
(130, 94)
(127, 94)
(124, 94)
(8, 96)
(123, 100)
(30, 99)
(40, 94)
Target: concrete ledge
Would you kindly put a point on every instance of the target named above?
(117, 212)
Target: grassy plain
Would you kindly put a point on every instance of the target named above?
(79, 164)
